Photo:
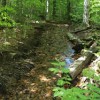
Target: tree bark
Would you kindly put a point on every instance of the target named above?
(47, 10)
(86, 13)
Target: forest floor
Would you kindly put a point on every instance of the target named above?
(35, 84)
(24, 62)
(24, 73)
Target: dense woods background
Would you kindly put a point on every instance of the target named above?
(49, 49)
(66, 11)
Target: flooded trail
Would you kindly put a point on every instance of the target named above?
(26, 76)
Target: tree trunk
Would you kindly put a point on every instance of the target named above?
(47, 10)
(86, 13)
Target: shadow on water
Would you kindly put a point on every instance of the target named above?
(33, 53)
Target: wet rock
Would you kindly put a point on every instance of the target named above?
(78, 47)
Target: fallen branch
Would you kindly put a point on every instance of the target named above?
(82, 30)
(77, 67)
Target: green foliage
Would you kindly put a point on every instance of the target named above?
(75, 93)
(90, 74)
(58, 63)
(65, 79)
(29, 10)
(96, 37)
(59, 67)
(36, 9)
(95, 11)
(5, 19)
(54, 70)
(91, 93)
(69, 94)
(98, 53)
(59, 10)
(76, 10)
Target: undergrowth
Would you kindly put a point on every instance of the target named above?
(65, 90)
(5, 18)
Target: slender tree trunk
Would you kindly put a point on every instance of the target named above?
(54, 9)
(4, 2)
(86, 13)
(47, 9)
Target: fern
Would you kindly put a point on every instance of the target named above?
(91, 93)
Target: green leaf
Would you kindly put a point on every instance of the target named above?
(56, 89)
(59, 93)
(88, 73)
(64, 70)
(55, 70)
(60, 82)
(57, 63)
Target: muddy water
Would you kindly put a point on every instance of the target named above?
(24, 75)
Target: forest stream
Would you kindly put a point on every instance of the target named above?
(24, 73)
(49, 49)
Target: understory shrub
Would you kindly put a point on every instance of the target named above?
(66, 92)
(5, 19)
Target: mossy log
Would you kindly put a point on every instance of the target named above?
(73, 38)
(81, 63)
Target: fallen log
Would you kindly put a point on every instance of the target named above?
(77, 43)
(73, 38)
(77, 67)
(81, 30)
